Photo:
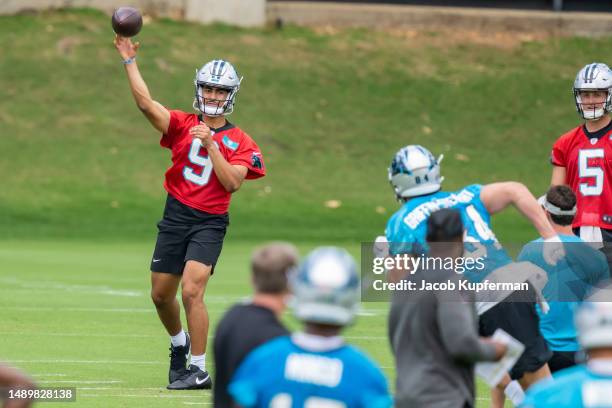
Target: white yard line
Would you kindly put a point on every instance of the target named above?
(81, 382)
(92, 309)
(122, 388)
(85, 335)
(371, 312)
(88, 362)
(139, 396)
(109, 335)
(78, 309)
(49, 375)
(57, 286)
(115, 335)
(385, 338)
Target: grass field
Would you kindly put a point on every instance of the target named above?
(79, 315)
(82, 170)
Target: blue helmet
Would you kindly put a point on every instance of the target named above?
(414, 171)
(326, 287)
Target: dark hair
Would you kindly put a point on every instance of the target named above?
(444, 225)
(564, 198)
(270, 265)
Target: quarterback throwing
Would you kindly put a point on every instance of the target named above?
(210, 159)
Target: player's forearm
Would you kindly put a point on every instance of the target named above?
(139, 88)
(498, 196)
(227, 174)
(558, 176)
(156, 113)
(529, 207)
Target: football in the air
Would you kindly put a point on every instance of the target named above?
(126, 21)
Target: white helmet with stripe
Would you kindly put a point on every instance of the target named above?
(414, 171)
(593, 77)
(326, 287)
(594, 320)
(216, 74)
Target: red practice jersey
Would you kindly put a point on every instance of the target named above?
(588, 164)
(191, 179)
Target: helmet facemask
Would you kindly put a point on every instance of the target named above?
(599, 109)
(220, 108)
(218, 74)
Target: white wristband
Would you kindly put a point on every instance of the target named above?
(129, 60)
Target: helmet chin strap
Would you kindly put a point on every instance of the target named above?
(199, 103)
(593, 114)
(213, 111)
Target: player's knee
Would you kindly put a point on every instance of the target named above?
(161, 299)
(192, 293)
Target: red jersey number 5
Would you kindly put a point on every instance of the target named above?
(594, 188)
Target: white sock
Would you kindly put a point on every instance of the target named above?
(179, 340)
(199, 361)
(515, 393)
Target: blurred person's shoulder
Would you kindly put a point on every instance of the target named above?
(562, 390)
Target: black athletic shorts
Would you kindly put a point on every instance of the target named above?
(186, 234)
(561, 360)
(520, 320)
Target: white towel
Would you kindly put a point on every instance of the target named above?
(592, 235)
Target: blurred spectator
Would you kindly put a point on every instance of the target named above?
(246, 326)
(569, 281)
(585, 385)
(434, 335)
(315, 368)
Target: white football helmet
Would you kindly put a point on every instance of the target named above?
(594, 324)
(414, 171)
(216, 74)
(593, 77)
(326, 287)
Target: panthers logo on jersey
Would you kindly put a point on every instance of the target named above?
(256, 160)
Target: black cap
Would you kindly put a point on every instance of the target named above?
(444, 225)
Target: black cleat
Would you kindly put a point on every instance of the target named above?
(194, 379)
(178, 360)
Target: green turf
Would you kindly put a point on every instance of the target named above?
(79, 315)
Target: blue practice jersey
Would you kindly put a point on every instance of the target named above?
(407, 229)
(281, 372)
(569, 282)
(575, 387)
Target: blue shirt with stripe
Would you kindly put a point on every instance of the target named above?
(280, 370)
(575, 387)
(407, 228)
(569, 282)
